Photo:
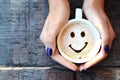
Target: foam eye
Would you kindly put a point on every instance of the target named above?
(82, 34)
(72, 34)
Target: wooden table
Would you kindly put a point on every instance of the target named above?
(21, 23)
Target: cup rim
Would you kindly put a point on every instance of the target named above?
(97, 43)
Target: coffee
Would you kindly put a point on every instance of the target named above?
(78, 41)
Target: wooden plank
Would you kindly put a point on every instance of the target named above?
(100, 73)
(48, 73)
(34, 73)
(21, 24)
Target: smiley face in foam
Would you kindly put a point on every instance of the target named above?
(78, 41)
(82, 34)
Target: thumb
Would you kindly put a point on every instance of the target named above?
(50, 47)
(104, 51)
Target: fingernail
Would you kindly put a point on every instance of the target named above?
(106, 48)
(84, 69)
(49, 52)
(81, 68)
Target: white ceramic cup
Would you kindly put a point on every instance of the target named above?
(79, 40)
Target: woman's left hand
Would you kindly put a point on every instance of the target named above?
(94, 11)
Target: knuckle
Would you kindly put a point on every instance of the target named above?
(41, 38)
(113, 35)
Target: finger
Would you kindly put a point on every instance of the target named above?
(49, 52)
(111, 31)
(58, 58)
(99, 57)
(50, 44)
(50, 48)
(93, 61)
(48, 37)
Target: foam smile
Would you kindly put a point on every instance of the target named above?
(78, 51)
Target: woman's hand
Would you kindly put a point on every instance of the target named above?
(94, 11)
(58, 16)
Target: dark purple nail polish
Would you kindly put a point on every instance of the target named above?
(49, 52)
(106, 48)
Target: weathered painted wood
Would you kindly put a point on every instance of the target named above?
(48, 73)
(33, 73)
(21, 22)
(100, 74)
(20, 26)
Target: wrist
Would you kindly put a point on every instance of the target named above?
(53, 26)
(93, 4)
(57, 17)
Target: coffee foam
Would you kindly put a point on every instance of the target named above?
(78, 42)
